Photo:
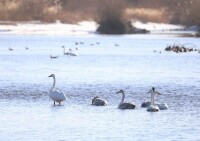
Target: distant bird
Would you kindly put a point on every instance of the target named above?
(97, 101)
(10, 49)
(70, 53)
(53, 57)
(56, 95)
(26, 48)
(81, 43)
(76, 43)
(97, 43)
(92, 44)
(116, 45)
(123, 105)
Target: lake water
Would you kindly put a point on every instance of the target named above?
(27, 113)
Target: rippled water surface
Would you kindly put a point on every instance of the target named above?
(27, 113)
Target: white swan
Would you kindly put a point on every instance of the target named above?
(56, 95)
(97, 101)
(72, 53)
(123, 105)
(69, 52)
(153, 107)
(162, 106)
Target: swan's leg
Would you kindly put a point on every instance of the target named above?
(54, 103)
(59, 103)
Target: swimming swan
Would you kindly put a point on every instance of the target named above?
(97, 101)
(162, 106)
(123, 105)
(53, 57)
(153, 107)
(69, 52)
(56, 95)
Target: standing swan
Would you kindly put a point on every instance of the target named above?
(97, 101)
(56, 95)
(123, 105)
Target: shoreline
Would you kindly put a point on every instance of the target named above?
(82, 28)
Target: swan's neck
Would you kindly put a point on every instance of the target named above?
(152, 98)
(54, 83)
(123, 97)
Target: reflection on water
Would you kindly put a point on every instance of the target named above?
(27, 113)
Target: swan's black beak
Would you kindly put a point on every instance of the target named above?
(50, 76)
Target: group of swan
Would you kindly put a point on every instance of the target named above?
(58, 96)
(70, 52)
(11, 49)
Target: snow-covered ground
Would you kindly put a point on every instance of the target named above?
(82, 28)
(57, 28)
(156, 26)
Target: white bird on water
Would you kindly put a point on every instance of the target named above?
(56, 95)
(70, 53)
(97, 101)
(123, 105)
(155, 107)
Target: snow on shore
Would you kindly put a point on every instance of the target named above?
(57, 28)
(82, 28)
(156, 26)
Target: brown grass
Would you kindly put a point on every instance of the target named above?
(176, 11)
(147, 14)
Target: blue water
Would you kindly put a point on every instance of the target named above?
(27, 113)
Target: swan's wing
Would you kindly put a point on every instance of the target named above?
(57, 96)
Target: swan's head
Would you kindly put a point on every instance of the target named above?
(120, 91)
(152, 90)
(52, 75)
(63, 47)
